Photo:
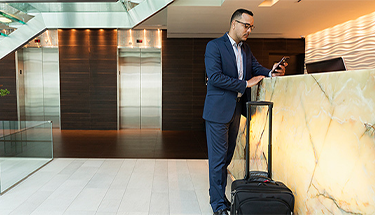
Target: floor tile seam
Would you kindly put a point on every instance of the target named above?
(152, 187)
(55, 175)
(122, 199)
(180, 174)
(118, 206)
(81, 166)
(20, 205)
(153, 180)
(71, 201)
(110, 187)
(90, 210)
(36, 207)
(191, 179)
(36, 190)
(169, 205)
(191, 171)
(67, 159)
(113, 176)
(76, 159)
(75, 198)
(126, 188)
(191, 201)
(194, 186)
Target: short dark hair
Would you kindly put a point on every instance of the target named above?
(238, 14)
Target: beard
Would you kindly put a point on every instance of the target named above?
(244, 37)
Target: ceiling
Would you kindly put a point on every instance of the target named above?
(285, 19)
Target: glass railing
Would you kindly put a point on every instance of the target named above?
(25, 146)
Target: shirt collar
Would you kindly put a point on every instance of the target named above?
(234, 42)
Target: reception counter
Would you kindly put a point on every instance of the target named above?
(323, 140)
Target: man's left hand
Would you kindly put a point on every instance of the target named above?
(281, 71)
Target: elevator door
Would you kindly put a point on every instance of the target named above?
(140, 88)
(39, 88)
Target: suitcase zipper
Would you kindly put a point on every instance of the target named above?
(235, 192)
(265, 199)
(256, 188)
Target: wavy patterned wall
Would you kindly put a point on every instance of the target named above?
(353, 40)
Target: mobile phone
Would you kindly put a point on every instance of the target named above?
(282, 61)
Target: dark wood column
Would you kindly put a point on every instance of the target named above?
(88, 79)
(8, 103)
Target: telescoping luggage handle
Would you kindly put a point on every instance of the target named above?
(247, 147)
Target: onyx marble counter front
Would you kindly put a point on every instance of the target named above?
(323, 140)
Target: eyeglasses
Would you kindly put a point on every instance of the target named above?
(246, 25)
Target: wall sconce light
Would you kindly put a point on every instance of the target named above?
(268, 3)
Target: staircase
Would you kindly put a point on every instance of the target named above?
(11, 20)
(22, 22)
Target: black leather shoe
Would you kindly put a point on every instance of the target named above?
(221, 212)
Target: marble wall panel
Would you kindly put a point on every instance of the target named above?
(323, 140)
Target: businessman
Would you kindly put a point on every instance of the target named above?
(231, 70)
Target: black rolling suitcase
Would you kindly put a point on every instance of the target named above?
(257, 193)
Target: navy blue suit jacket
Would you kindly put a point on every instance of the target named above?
(223, 84)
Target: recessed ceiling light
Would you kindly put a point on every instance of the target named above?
(136, 1)
(268, 3)
(10, 17)
(5, 20)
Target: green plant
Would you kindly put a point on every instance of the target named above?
(3, 92)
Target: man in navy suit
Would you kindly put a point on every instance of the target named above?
(231, 70)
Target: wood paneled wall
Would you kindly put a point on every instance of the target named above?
(268, 51)
(8, 103)
(88, 79)
(184, 88)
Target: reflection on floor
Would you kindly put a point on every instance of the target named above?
(113, 186)
(131, 143)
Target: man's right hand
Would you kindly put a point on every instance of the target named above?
(254, 81)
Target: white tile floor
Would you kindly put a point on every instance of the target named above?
(113, 186)
(13, 170)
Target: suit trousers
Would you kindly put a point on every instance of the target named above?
(221, 142)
